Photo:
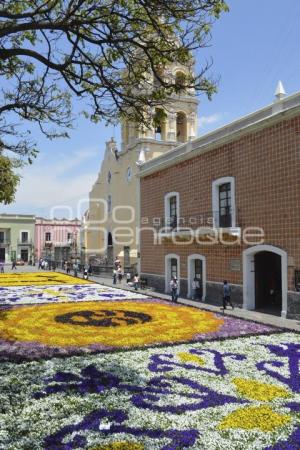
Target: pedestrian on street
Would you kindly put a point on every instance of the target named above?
(2, 266)
(114, 276)
(14, 265)
(226, 295)
(75, 268)
(136, 281)
(174, 289)
(90, 270)
(117, 263)
(128, 277)
(195, 287)
(120, 274)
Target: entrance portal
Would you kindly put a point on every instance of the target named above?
(265, 284)
(268, 289)
(2, 254)
(24, 255)
(197, 277)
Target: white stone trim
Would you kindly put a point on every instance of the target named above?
(167, 205)
(167, 271)
(215, 199)
(249, 275)
(252, 122)
(190, 259)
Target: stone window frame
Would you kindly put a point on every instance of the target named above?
(215, 200)
(167, 197)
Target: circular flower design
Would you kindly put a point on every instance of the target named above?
(58, 324)
(103, 318)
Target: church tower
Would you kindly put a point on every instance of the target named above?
(175, 123)
(114, 198)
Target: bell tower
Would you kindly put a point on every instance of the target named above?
(172, 124)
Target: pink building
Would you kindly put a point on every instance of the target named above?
(57, 239)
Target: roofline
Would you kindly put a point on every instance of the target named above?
(286, 107)
(17, 216)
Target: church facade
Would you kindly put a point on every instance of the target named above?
(111, 227)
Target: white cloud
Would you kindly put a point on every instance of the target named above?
(64, 181)
(203, 121)
(68, 161)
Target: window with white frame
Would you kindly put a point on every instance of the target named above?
(171, 210)
(223, 202)
(48, 237)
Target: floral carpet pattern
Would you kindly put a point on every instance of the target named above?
(13, 295)
(38, 278)
(143, 374)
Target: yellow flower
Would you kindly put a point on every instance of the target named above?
(188, 357)
(250, 418)
(38, 278)
(121, 324)
(120, 446)
(255, 390)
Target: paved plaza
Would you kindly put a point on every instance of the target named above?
(86, 365)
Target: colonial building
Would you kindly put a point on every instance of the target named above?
(114, 198)
(227, 206)
(17, 237)
(57, 239)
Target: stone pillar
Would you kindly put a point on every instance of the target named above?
(191, 125)
(171, 127)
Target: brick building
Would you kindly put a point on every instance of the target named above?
(201, 203)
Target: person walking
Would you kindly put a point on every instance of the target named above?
(114, 276)
(174, 289)
(90, 270)
(2, 267)
(226, 295)
(75, 269)
(136, 281)
(128, 277)
(117, 263)
(14, 265)
(120, 274)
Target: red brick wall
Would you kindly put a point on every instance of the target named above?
(266, 167)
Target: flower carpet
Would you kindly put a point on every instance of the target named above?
(138, 373)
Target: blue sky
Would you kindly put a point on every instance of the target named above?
(253, 46)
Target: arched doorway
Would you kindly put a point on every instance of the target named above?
(265, 279)
(197, 269)
(267, 270)
(172, 269)
(110, 250)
